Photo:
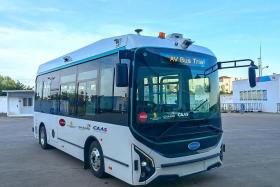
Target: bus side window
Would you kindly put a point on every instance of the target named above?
(67, 102)
(120, 103)
(46, 95)
(87, 90)
(50, 90)
(54, 93)
(106, 87)
(38, 96)
(112, 101)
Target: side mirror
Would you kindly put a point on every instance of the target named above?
(121, 75)
(252, 75)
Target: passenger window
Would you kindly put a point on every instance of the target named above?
(54, 94)
(87, 99)
(67, 99)
(68, 91)
(39, 86)
(106, 87)
(120, 105)
(87, 89)
(45, 102)
(113, 101)
(120, 99)
(38, 96)
(50, 94)
(46, 89)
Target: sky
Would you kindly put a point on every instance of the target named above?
(33, 32)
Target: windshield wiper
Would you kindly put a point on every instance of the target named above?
(217, 129)
(167, 130)
(200, 105)
(212, 127)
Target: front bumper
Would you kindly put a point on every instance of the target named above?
(172, 168)
(174, 172)
(170, 172)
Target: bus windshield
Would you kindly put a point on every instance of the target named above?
(171, 86)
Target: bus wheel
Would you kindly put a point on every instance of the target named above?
(96, 160)
(43, 138)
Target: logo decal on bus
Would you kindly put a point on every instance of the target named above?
(183, 114)
(194, 146)
(86, 127)
(71, 125)
(62, 122)
(100, 129)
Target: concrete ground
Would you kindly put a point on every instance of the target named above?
(252, 157)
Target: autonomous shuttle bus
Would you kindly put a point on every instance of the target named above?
(136, 107)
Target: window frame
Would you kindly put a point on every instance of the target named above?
(113, 59)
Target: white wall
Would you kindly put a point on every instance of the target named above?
(3, 104)
(14, 106)
(273, 93)
(278, 89)
(226, 99)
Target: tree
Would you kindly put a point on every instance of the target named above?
(7, 83)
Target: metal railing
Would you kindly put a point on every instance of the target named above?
(278, 107)
(237, 107)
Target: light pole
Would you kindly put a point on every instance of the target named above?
(263, 69)
(260, 66)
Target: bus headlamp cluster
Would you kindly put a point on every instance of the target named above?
(146, 165)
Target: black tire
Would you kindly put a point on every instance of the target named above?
(96, 160)
(43, 137)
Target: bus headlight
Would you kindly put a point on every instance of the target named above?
(146, 164)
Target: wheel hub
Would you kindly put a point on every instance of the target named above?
(42, 137)
(95, 160)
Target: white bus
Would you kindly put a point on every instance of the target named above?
(136, 107)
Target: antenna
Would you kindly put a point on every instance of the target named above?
(261, 50)
(138, 31)
(260, 61)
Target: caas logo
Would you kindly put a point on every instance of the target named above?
(100, 129)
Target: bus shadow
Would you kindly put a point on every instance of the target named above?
(191, 180)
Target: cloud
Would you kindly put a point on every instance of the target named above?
(28, 9)
(9, 6)
(22, 51)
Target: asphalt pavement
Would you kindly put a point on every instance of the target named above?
(252, 158)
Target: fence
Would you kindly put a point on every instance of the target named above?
(236, 107)
(278, 107)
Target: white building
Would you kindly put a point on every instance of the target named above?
(3, 105)
(17, 103)
(225, 84)
(226, 103)
(264, 97)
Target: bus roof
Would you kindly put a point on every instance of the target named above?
(112, 45)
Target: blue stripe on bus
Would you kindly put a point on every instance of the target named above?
(83, 60)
